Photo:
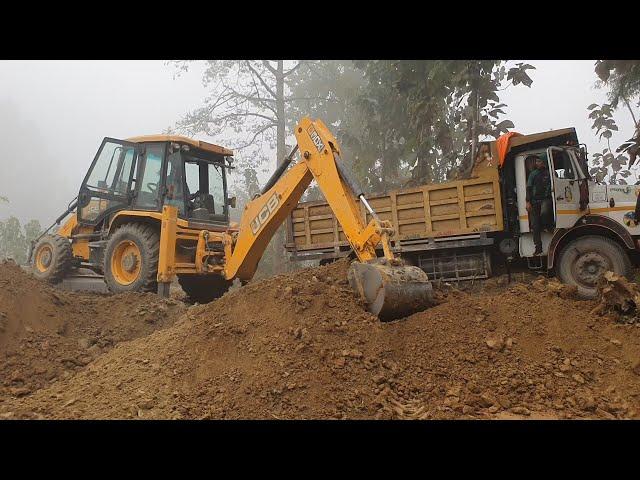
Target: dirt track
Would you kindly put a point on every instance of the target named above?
(300, 346)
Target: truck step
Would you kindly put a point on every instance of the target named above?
(536, 263)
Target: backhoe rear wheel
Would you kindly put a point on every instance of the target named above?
(131, 259)
(52, 258)
(583, 260)
(203, 288)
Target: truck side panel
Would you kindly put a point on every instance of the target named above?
(435, 210)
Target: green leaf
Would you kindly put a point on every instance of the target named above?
(505, 125)
(602, 69)
(592, 106)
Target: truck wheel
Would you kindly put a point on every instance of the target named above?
(583, 260)
(52, 258)
(203, 288)
(131, 259)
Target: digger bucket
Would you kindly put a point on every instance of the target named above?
(390, 291)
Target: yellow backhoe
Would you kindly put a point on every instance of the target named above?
(154, 207)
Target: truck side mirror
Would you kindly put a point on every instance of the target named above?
(231, 202)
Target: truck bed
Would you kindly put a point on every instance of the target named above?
(429, 211)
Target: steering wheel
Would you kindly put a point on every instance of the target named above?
(194, 195)
(153, 187)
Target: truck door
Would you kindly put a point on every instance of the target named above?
(565, 185)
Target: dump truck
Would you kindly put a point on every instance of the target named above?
(458, 230)
(151, 208)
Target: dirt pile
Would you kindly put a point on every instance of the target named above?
(47, 334)
(619, 298)
(301, 346)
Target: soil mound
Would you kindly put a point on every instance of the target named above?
(300, 345)
(46, 334)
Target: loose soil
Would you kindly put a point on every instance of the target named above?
(47, 335)
(300, 345)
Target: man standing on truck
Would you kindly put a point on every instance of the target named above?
(539, 203)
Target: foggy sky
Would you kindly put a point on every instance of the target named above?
(54, 115)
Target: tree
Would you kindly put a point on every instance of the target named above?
(622, 77)
(14, 241)
(438, 110)
(247, 106)
(333, 92)
(32, 230)
(605, 164)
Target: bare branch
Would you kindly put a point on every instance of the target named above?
(630, 111)
(263, 102)
(253, 98)
(291, 99)
(264, 84)
(262, 130)
(269, 67)
(246, 114)
(300, 63)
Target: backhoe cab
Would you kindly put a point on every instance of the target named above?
(155, 207)
(145, 173)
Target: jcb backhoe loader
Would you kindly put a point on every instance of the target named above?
(153, 207)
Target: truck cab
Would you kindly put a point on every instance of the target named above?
(593, 226)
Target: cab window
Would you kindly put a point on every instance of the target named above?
(109, 165)
(175, 185)
(205, 190)
(562, 166)
(123, 173)
(149, 176)
(216, 188)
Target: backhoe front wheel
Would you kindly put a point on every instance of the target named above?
(583, 260)
(131, 259)
(52, 258)
(203, 288)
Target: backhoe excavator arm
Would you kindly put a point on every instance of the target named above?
(320, 160)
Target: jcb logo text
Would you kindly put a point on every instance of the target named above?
(315, 138)
(264, 214)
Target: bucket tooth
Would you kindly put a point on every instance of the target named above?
(390, 291)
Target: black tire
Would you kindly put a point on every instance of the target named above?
(583, 260)
(203, 288)
(147, 239)
(59, 258)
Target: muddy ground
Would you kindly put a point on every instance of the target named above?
(301, 346)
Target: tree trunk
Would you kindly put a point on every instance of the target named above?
(281, 134)
(474, 136)
(279, 261)
(635, 123)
